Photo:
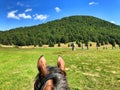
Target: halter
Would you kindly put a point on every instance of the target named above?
(59, 80)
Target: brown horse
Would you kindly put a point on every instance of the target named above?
(50, 77)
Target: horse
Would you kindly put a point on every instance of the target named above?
(51, 77)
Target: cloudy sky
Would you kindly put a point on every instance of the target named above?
(20, 13)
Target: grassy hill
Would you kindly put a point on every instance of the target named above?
(74, 28)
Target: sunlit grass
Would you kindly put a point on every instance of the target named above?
(86, 69)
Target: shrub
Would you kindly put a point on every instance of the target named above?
(79, 45)
(59, 44)
(40, 44)
(69, 45)
(90, 44)
(51, 44)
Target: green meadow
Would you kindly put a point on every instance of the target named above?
(86, 69)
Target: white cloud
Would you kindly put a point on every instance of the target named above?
(92, 3)
(57, 9)
(40, 17)
(23, 15)
(20, 4)
(28, 10)
(12, 14)
(113, 22)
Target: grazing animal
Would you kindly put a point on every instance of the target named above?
(51, 77)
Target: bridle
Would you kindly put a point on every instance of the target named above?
(59, 80)
(49, 77)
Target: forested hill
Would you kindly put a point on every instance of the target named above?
(74, 28)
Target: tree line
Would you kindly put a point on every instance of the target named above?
(80, 29)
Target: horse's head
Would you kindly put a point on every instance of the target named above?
(49, 77)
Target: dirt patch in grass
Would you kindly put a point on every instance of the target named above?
(91, 74)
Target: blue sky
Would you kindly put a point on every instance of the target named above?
(21, 13)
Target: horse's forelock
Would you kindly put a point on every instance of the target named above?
(58, 76)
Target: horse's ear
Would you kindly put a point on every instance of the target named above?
(41, 65)
(61, 63)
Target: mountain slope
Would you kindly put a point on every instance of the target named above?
(68, 29)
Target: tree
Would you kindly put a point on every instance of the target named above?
(51, 44)
(59, 44)
(68, 29)
(87, 44)
(90, 44)
(69, 45)
(118, 41)
(64, 39)
(112, 42)
(97, 45)
(79, 45)
(40, 44)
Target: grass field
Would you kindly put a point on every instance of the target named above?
(86, 69)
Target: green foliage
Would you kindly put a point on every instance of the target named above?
(59, 44)
(79, 44)
(40, 44)
(68, 29)
(97, 44)
(90, 44)
(69, 45)
(112, 42)
(51, 44)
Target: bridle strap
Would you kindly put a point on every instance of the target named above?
(50, 76)
(58, 77)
